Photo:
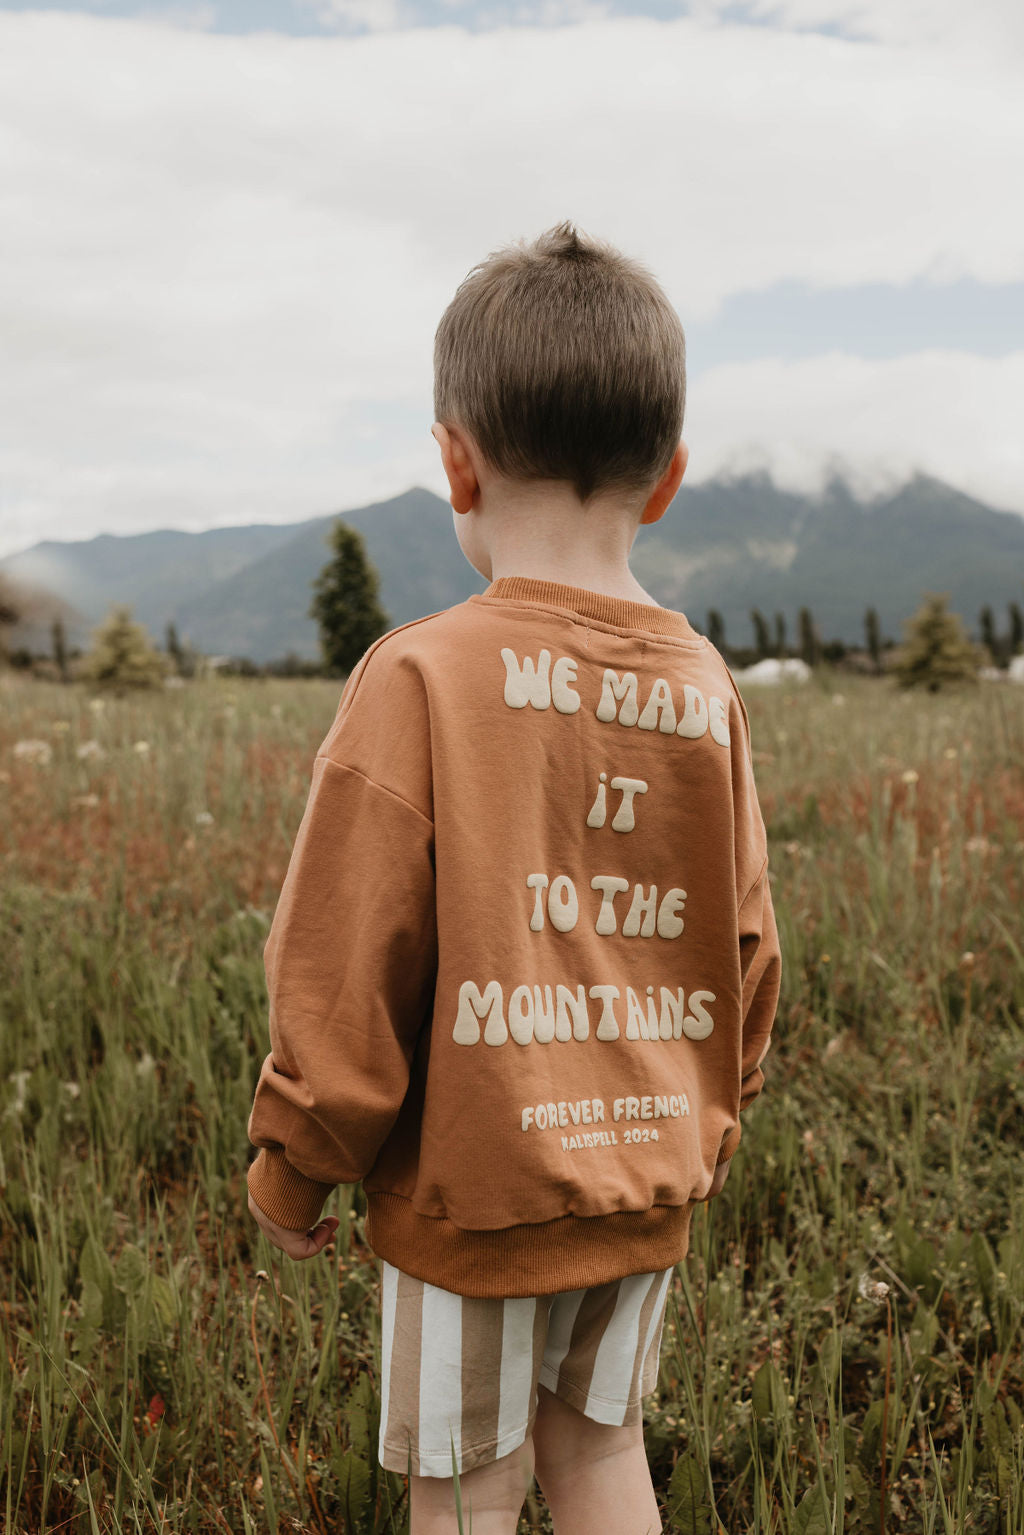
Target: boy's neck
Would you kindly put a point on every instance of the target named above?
(544, 531)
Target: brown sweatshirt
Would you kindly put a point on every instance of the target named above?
(524, 966)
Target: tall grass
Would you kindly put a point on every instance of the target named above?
(844, 1348)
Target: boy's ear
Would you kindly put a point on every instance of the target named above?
(658, 501)
(458, 467)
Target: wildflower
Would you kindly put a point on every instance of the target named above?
(71, 1088)
(20, 1081)
(86, 801)
(91, 748)
(977, 845)
(875, 1290)
(60, 727)
(33, 751)
(142, 747)
(204, 818)
(909, 776)
(967, 960)
(950, 753)
(834, 1044)
(145, 1065)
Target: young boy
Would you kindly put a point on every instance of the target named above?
(524, 967)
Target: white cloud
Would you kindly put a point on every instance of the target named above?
(949, 414)
(196, 18)
(368, 15)
(219, 251)
(992, 28)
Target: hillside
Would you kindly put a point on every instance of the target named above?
(728, 544)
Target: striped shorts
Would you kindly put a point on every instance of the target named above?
(463, 1372)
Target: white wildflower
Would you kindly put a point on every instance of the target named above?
(204, 818)
(33, 751)
(91, 748)
(19, 1080)
(142, 747)
(909, 776)
(86, 801)
(72, 1089)
(145, 1065)
(977, 845)
(875, 1290)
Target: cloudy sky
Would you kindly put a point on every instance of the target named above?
(227, 231)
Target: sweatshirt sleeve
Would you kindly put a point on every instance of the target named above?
(350, 963)
(760, 970)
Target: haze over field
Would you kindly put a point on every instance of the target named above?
(229, 231)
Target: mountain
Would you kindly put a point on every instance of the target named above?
(730, 544)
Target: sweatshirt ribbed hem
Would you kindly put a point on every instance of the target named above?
(571, 1253)
(620, 612)
(282, 1192)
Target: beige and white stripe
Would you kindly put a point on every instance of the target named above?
(461, 1373)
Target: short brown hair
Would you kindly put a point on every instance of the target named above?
(564, 360)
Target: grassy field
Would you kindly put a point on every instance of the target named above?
(844, 1347)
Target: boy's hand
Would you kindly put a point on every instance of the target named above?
(718, 1181)
(295, 1244)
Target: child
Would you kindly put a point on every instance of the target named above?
(524, 967)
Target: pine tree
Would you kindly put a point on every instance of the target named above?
(780, 634)
(122, 656)
(10, 613)
(988, 632)
(873, 638)
(172, 645)
(936, 648)
(716, 629)
(762, 638)
(345, 603)
(810, 640)
(1016, 628)
(60, 648)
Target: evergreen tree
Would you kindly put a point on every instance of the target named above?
(873, 638)
(988, 632)
(716, 629)
(780, 634)
(172, 645)
(122, 656)
(810, 640)
(60, 648)
(1016, 628)
(762, 638)
(9, 613)
(345, 603)
(936, 648)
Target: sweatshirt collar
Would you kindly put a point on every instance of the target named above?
(619, 612)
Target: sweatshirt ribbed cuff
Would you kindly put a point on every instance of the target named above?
(282, 1192)
(728, 1147)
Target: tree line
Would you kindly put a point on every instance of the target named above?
(772, 639)
(349, 617)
